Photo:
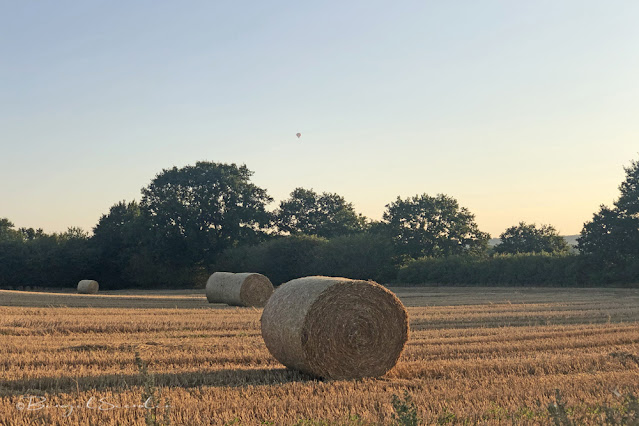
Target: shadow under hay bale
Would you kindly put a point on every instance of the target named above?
(335, 328)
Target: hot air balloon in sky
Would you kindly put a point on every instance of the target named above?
(298, 135)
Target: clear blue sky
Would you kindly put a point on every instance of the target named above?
(520, 110)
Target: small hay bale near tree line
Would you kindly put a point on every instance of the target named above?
(88, 287)
(335, 328)
(245, 289)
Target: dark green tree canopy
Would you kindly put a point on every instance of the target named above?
(6, 230)
(125, 245)
(120, 232)
(628, 201)
(433, 226)
(195, 212)
(120, 227)
(525, 238)
(325, 215)
(29, 234)
(31, 257)
(74, 233)
(613, 233)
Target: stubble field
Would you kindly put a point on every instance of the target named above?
(475, 355)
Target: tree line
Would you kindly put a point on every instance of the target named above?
(210, 216)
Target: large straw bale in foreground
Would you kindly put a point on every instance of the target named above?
(335, 327)
(246, 289)
(88, 287)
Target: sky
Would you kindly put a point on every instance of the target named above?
(522, 111)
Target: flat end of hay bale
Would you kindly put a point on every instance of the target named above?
(256, 290)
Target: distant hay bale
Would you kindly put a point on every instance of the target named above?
(246, 289)
(335, 328)
(88, 287)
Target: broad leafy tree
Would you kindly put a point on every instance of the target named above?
(7, 231)
(13, 254)
(119, 236)
(196, 212)
(433, 226)
(326, 215)
(120, 228)
(29, 234)
(613, 233)
(528, 238)
(628, 201)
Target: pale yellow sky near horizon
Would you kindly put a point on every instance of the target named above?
(565, 205)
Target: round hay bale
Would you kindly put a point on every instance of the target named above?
(246, 289)
(335, 328)
(88, 287)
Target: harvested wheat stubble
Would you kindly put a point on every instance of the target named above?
(335, 328)
(246, 289)
(88, 287)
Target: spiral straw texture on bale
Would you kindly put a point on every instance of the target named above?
(245, 289)
(335, 328)
(88, 287)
